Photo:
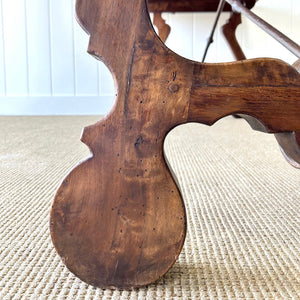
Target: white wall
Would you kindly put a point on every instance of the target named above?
(44, 68)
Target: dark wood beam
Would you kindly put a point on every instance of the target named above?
(184, 6)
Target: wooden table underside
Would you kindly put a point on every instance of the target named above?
(185, 6)
(160, 6)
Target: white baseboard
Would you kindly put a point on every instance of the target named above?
(56, 105)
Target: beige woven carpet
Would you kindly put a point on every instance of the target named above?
(242, 200)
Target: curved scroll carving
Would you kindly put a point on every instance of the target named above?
(118, 219)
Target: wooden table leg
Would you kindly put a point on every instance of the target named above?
(229, 30)
(163, 28)
(118, 219)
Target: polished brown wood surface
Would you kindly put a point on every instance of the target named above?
(118, 219)
(258, 88)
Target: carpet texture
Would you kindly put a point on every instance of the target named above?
(242, 201)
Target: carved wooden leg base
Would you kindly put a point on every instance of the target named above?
(118, 219)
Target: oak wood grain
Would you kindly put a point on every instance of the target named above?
(118, 219)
